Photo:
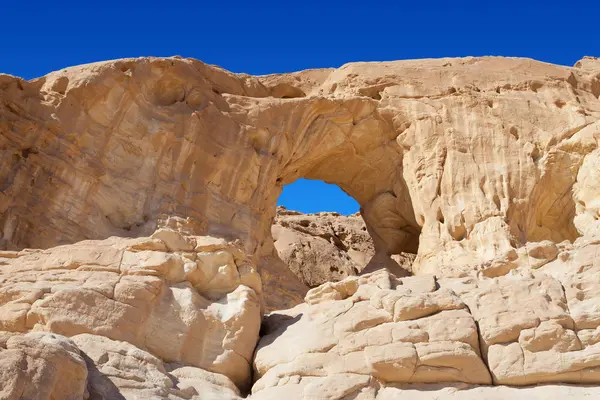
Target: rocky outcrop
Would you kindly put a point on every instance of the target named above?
(373, 336)
(145, 310)
(327, 247)
(41, 365)
(176, 317)
(342, 384)
(136, 207)
(374, 326)
(454, 157)
(120, 370)
(321, 247)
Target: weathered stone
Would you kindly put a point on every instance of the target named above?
(485, 168)
(392, 334)
(40, 365)
(327, 247)
(142, 298)
(120, 370)
(453, 156)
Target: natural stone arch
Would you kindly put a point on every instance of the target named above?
(347, 143)
(343, 142)
(481, 161)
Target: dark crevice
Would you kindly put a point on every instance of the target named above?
(596, 87)
(26, 152)
(372, 92)
(482, 346)
(335, 240)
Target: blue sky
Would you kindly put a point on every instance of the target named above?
(263, 37)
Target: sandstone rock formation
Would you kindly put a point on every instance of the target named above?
(440, 154)
(156, 310)
(365, 335)
(327, 247)
(136, 209)
(338, 385)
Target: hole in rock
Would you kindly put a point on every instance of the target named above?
(514, 132)
(321, 233)
(372, 92)
(26, 152)
(312, 196)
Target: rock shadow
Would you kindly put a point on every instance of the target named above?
(99, 386)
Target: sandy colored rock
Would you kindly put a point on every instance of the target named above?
(321, 247)
(455, 157)
(40, 365)
(283, 289)
(531, 322)
(327, 247)
(533, 325)
(120, 370)
(578, 270)
(297, 390)
(136, 212)
(376, 327)
(199, 309)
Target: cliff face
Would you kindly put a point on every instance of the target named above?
(439, 153)
(488, 169)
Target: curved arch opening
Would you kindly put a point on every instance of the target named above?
(311, 196)
(322, 234)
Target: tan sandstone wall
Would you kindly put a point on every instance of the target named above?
(137, 200)
(461, 150)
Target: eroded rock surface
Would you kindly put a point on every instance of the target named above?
(327, 247)
(120, 370)
(371, 328)
(137, 199)
(40, 365)
(454, 157)
(140, 311)
(364, 336)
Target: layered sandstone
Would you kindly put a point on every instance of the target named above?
(146, 309)
(440, 154)
(136, 209)
(373, 336)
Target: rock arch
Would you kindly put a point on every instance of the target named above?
(473, 161)
(489, 164)
(350, 145)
